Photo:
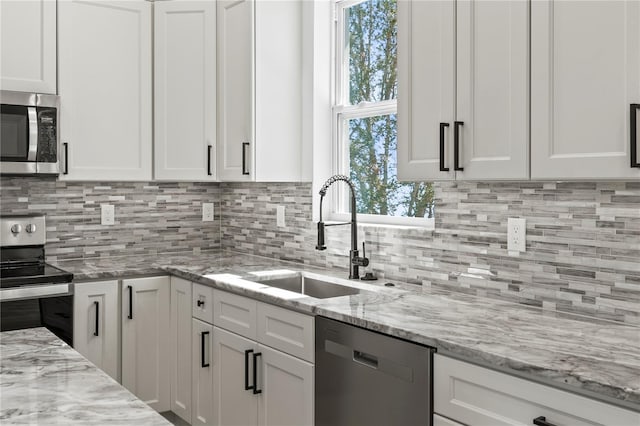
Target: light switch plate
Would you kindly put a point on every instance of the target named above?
(280, 216)
(207, 212)
(516, 235)
(108, 214)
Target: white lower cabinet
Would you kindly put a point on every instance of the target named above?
(202, 369)
(476, 395)
(181, 348)
(145, 340)
(96, 333)
(443, 421)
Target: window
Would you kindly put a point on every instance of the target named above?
(364, 116)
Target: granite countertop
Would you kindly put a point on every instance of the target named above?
(587, 355)
(45, 381)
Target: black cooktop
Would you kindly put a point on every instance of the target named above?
(21, 274)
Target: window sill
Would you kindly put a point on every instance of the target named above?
(428, 227)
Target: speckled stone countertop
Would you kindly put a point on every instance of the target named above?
(44, 381)
(590, 356)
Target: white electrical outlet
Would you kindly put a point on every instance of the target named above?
(207, 212)
(516, 235)
(280, 216)
(108, 214)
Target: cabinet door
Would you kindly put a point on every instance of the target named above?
(235, 43)
(492, 89)
(181, 348)
(185, 90)
(287, 389)
(28, 46)
(202, 373)
(95, 324)
(585, 63)
(145, 341)
(426, 73)
(232, 403)
(105, 88)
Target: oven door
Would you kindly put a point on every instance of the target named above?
(54, 313)
(18, 132)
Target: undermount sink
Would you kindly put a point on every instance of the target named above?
(310, 286)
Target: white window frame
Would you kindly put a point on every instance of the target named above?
(342, 112)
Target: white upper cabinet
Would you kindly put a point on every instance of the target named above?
(259, 47)
(463, 90)
(185, 90)
(105, 87)
(492, 90)
(28, 46)
(585, 74)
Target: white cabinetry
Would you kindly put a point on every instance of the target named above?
(475, 395)
(185, 90)
(463, 70)
(96, 330)
(585, 73)
(202, 373)
(105, 88)
(181, 348)
(145, 340)
(28, 46)
(256, 384)
(259, 47)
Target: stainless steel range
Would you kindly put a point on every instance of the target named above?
(32, 292)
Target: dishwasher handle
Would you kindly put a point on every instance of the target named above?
(365, 359)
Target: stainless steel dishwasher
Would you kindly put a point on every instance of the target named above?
(368, 378)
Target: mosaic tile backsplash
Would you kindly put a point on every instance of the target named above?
(583, 241)
(151, 217)
(583, 238)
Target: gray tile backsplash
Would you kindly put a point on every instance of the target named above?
(150, 217)
(583, 238)
(583, 241)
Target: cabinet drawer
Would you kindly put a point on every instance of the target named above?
(202, 303)
(288, 331)
(235, 313)
(479, 396)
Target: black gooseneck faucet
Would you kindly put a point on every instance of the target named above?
(355, 261)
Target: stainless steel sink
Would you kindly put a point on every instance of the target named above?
(310, 286)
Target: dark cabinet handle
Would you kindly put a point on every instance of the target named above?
(97, 305)
(66, 158)
(456, 145)
(244, 158)
(633, 120)
(443, 126)
(200, 303)
(246, 370)
(130, 316)
(202, 349)
(542, 421)
(255, 373)
(209, 160)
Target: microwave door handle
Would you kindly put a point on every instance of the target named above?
(33, 133)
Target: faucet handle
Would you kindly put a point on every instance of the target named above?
(364, 253)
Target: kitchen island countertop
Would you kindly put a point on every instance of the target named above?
(45, 381)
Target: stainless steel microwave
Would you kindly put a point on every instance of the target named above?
(29, 133)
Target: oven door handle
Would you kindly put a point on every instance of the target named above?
(35, 292)
(33, 133)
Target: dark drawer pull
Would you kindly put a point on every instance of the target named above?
(130, 316)
(200, 303)
(246, 370)
(456, 145)
(443, 126)
(255, 373)
(245, 145)
(203, 364)
(542, 421)
(633, 120)
(97, 305)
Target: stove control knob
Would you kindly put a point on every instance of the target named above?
(16, 229)
(31, 228)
